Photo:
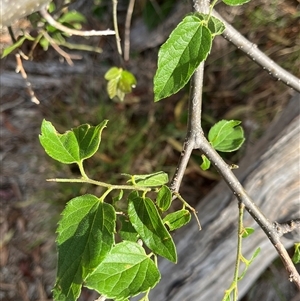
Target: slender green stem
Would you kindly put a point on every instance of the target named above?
(102, 184)
(239, 249)
(233, 287)
(106, 193)
(82, 171)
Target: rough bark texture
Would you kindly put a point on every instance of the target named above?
(270, 173)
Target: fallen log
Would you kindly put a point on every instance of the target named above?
(270, 173)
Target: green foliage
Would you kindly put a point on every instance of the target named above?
(16, 45)
(120, 82)
(235, 2)
(88, 254)
(176, 220)
(215, 26)
(247, 232)
(206, 163)
(148, 224)
(226, 136)
(49, 35)
(188, 45)
(151, 180)
(164, 198)
(85, 237)
(125, 272)
(73, 146)
(296, 256)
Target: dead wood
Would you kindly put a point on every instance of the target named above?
(270, 173)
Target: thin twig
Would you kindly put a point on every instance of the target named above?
(233, 36)
(118, 39)
(21, 69)
(127, 30)
(287, 227)
(68, 57)
(70, 31)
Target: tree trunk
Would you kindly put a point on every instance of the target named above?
(206, 259)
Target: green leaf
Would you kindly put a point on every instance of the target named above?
(127, 81)
(127, 231)
(235, 2)
(120, 82)
(188, 45)
(205, 164)
(150, 180)
(125, 272)
(88, 138)
(112, 73)
(177, 219)
(247, 231)
(72, 146)
(164, 198)
(16, 45)
(44, 43)
(226, 136)
(256, 252)
(215, 25)
(149, 225)
(85, 237)
(296, 256)
(71, 17)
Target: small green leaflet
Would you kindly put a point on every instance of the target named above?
(85, 237)
(125, 272)
(72, 17)
(296, 256)
(235, 2)
(73, 146)
(188, 45)
(16, 45)
(177, 219)
(149, 225)
(120, 82)
(150, 180)
(215, 26)
(206, 163)
(164, 198)
(247, 232)
(226, 136)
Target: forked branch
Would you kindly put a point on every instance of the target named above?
(195, 139)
